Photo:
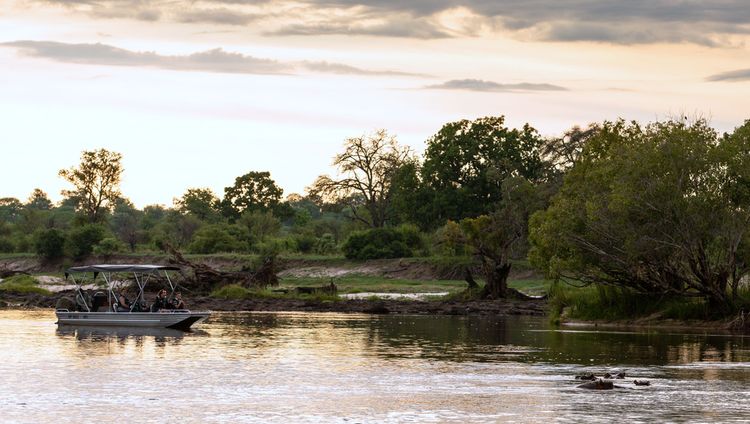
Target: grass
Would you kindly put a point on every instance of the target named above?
(23, 284)
(237, 292)
(604, 303)
(365, 284)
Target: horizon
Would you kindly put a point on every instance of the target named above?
(197, 96)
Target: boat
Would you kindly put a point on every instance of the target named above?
(104, 309)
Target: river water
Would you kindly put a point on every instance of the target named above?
(339, 368)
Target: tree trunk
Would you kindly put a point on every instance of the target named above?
(496, 276)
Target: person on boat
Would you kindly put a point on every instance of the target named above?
(177, 302)
(123, 304)
(161, 301)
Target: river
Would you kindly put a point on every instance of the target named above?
(339, 368)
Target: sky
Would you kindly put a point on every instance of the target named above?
(197, 93)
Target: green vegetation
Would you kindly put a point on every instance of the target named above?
(383, 243)
(598, 302)
(237, 292)
(366, 284)
(659, 213)
(22, 284)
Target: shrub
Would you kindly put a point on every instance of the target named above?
(380, 243)
(214, 239)
(83, 239)
(232, 291)
(305, 242)
(6, 245)
(108, 246)
(326, 244)
(49, 243)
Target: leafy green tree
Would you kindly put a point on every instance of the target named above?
(49, 243)
(660, 209)
(260, 225)
(83, 239)
(96, 183)
(500, 236)
(216, 238)
(466, 163)
(38, 200)
(10, 209)
(201, 202)
(367, 167)
(254, 191)
(125, 223)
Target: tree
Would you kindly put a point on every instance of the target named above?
(466, 163)
(260, 225)
(96, 181)
(367, 167)
(38, 200)
(201, 202)
(10, 209)
(125, 223)
(498, 237)
(254, 191)
(661, 209)
(49, 243)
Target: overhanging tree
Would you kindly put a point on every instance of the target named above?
(658, 209)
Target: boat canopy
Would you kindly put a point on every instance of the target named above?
(121, 268)
(141, 273)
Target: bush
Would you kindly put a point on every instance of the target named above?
(215, 239)
(326, 244)
(305, 243)
(6, 245)
(232, 291)
(108, 246)
(381, 243)
(83, 239)
(49, 243)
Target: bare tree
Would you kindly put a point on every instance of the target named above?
(366, 166)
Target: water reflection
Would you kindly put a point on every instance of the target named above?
(299, 367)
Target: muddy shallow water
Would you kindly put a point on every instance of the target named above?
(329, 367)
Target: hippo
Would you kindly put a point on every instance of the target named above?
(597, 385)
(641, 382)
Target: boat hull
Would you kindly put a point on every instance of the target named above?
(177, 319)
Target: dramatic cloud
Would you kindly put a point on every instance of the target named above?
(215, 60)
(481, 85)
(216, 16)
(606, 21)
(732, 76)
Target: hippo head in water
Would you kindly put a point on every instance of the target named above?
(597, 385)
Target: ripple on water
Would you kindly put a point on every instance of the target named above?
(357, 368)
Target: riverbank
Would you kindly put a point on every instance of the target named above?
(504, 307)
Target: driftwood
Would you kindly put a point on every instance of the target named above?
(206, 277)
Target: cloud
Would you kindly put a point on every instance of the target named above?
(731, 76)
(215, 60)
(339, 68)
(604, 21)
(489, 86)
(219, 16)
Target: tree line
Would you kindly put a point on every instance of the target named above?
(656, 208)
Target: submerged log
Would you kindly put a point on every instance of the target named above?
(206, 277)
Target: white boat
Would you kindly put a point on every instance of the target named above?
(105, 311)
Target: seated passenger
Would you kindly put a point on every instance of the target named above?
(160, 302)
(177, 302)
(123, 304)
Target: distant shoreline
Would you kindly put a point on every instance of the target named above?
(503, 307)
